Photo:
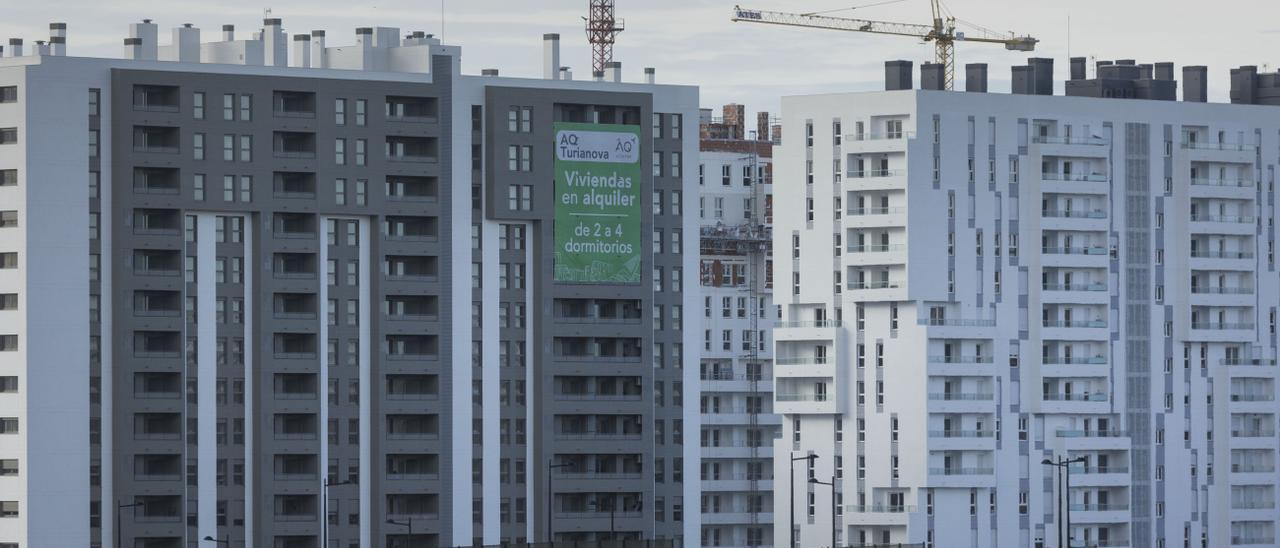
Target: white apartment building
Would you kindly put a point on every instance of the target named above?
(981, 282)
(738, 425)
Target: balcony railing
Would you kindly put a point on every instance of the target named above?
(880, 248)
(1074, 323)
(1242, 183)
(1239, 147)
(1081, 177)
(1072, 214)
(886, 136)
(816, 323)
(1253, 468)
(1047, 140)
(1266, 541)
(1120, 507)
(1055, 360)
(858, 212)
(782, 396)
(961, 396)
(1064, 433)
(1221, 254)
(1089, 250)
(1253, 397)
(873, 285)
(883, 508)
(869, 173)
(956, 322)
(960, 359)
(1073, 397)
(1240, 219)
(1100, 469)
(1222, 290)
(962, 433)
(961, 471)
(801, 361)
(1096, 286)
(1247, 361)
(1211, 326)
(599, 436)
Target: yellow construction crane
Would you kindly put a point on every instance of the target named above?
(942, 32)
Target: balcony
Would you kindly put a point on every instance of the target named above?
(1075, 177)
(293, 144)
(957, 471)
(1096, 286)
(1096, 250)
(294, 104)
(294, 185)
(1249, 362)
(412, 189)
(961, 396)
(1234, 183)
(411, 109)
(962, 434)
(1091, 324)
(1089, 141)
(1098, 397)
(412, 149)
(151, 98)
(155, 139)
(1232, 147)
(875, 173)
(1238, 219)
(956, 322)
(870, 211)
(150, 180)
(1073, 214)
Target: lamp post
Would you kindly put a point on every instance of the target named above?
(324, 532)
(613, 533)
(834, 526)
(407, 524)
(227, 541)
(791, 510)
(1063, 465)
(120, 506)
(551, 502)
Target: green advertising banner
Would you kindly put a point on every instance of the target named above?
(597, 197)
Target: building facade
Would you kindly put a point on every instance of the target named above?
(294, 295)
(738, 425)
(981, 286)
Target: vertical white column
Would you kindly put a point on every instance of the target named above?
(490, 406)
(366, 385)
(534, 466)
(206, 378)
(250, 338)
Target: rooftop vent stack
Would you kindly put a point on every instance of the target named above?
(1126, 62)
(1164, 71)
(132, 48)
(932, 76)
(975, 77)
(1022, 80)
(1041, 75)
(566, 73)
(386, 37)
(275, 50)
(301, 51)
(41, 49)
(1195, 84)
(58, 39)
(597, 75)
(551, 56)
(186, 39)
(146, 31)
(364, 37)
(1146, 71)
(318, 54)
(649, 75)
(762, 126)
(1078, 65)
(15, 47)
(1244, 81)
(228, 33)
(613, 71)
(897, 75)
(1097, 68)
(488, 72)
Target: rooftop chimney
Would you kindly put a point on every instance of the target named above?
(318, 54)
(597, 75)
(975, 77)
(1023, 80)
(1195, 84)
(186, 40)
(1164, 71)
(275, 51)
(1244, 83)
(932, 76)
(1041, 75)
(488, 72)
(649, 76)
(228, 33)
(762, 126)
(58, 39)
(15, 47)
(301, 51)
(146, 31)
(1078, 65)
(41, 48)
(613, 71)
(551, 56)
(565, 73)
(897, 75)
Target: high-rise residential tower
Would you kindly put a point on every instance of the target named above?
(273, 291)
(735, 201)
(983, 291)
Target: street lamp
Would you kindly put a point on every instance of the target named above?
(1064, 514)
(324, 532)
(121, 506)
(551, 502)
(834, 526)
(407, 524)
(612, 506)
(208, 538)
(791, 511)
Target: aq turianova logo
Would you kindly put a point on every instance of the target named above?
(597, 146)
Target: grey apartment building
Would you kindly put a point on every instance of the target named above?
(291, 295)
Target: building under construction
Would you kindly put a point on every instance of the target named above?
(738, 424)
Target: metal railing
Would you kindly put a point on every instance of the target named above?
(1064, 433)
(1047, 140)
(1238, 219)
(883, 136)
(870, 173)
(962, 433)
(1073, 397)
(861, 211)
(815, 323)
(956, 322)
(961, 359)
(1238, 147)
(1242, 183)
(1073, 214)
(1075, 287)
(961, 396)
(782, 396)
(875, 248)
(961, 471)
(1086, 177)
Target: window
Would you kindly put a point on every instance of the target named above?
(675, 126)
(8, 343)
(340, 112)
(9, 94)
(8, 219)
(228, 106)
(340, 191)
(9, 508)
(197, 187)
(340, 151)
(246, 148)
(362, 190)
(361, 145)
(246, 108)
(9, 177)
(8, 425)
(228, 148)
(8, 301)
(197, 146)
(362, 107)
(94, 147)
(657, 164)
(9, 260)
(246, 188)
(675, 164)
(228, 188)
(197, 105)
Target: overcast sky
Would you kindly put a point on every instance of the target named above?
(693, 41)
